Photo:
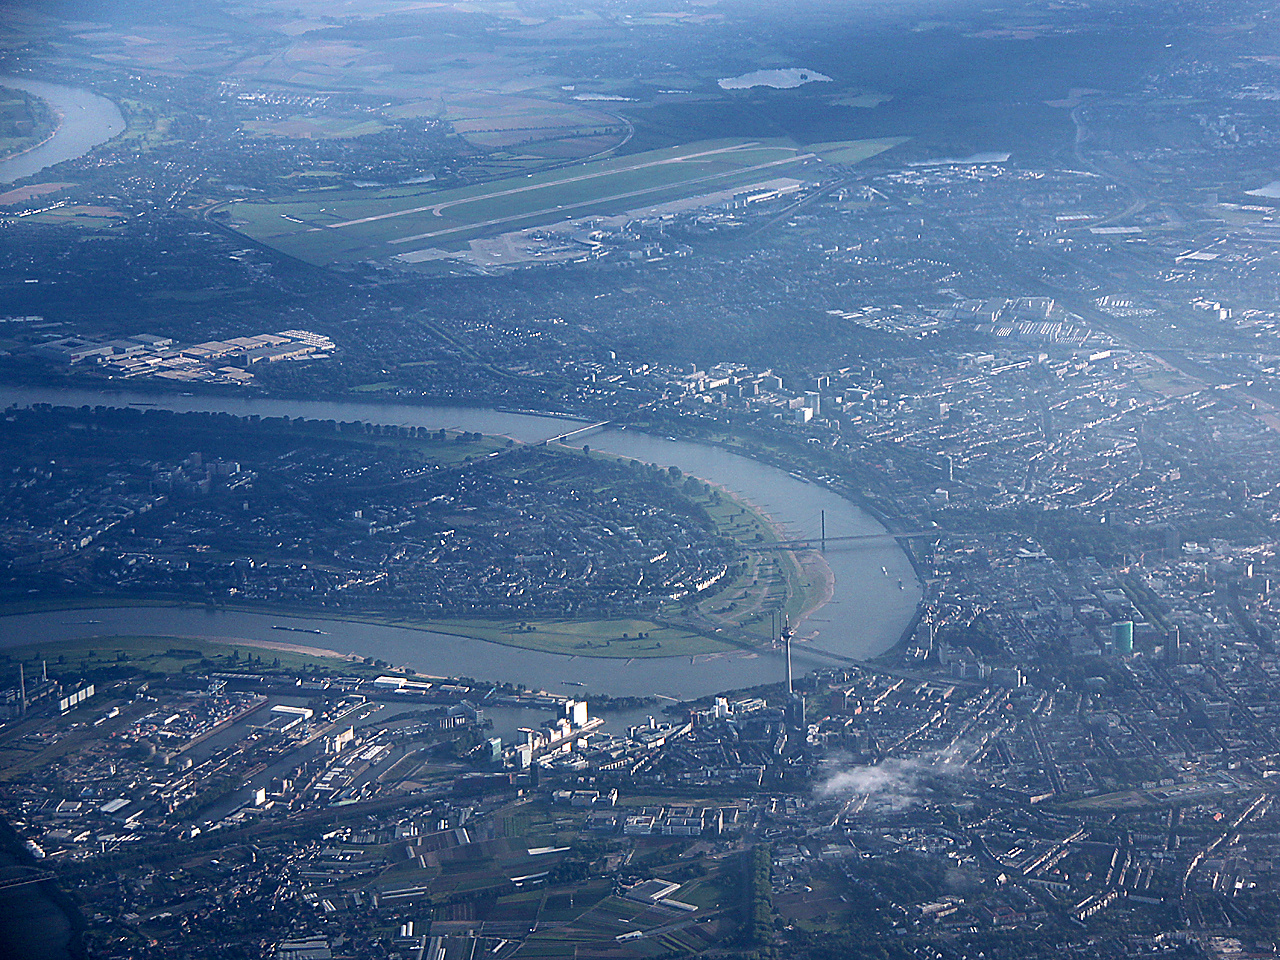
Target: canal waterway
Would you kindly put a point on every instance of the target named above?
(86, 120)
(874, 597)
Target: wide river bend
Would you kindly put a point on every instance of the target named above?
(875, 593)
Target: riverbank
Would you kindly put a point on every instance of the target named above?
(744, 605)
(635, 638)
(86, 120)
(826, 585)
(175, 654)
(58, 118)
(319, 653)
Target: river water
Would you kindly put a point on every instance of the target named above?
(867, 614)
(87, 120)
(33, 925)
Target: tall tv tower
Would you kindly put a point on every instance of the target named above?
(795, 704)
(786, 639)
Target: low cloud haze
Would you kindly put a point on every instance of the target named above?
(893, 782)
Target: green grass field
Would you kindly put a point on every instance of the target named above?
(166, 656)
(344, 226)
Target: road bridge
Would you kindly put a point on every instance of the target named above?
(579, 432)
(28, 876)
(808, 543)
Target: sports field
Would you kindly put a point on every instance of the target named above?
(345, 226)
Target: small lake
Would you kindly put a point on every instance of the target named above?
(785, 79)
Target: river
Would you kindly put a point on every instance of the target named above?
(865, 616)
(86, 121)
(34, 921)
(867, 613)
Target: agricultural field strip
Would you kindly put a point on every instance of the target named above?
(436, 208)
(595, 200)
